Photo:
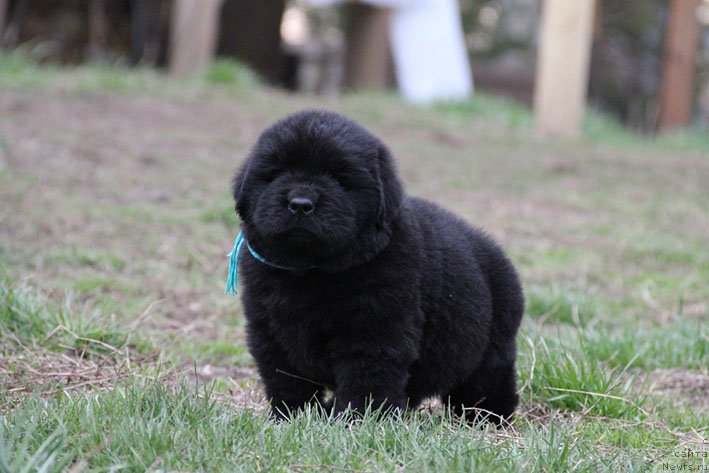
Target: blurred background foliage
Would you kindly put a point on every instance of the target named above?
(293, 45)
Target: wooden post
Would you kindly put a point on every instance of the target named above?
(98, 26)
(138, 30)
(562, 66)
(250, 30)
(194, 33)
(3, 21)
(15, 22)
(367, 51)
(678, 69)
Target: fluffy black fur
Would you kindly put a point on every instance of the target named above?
(392, 298)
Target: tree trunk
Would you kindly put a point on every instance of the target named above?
(678, 70)
(367, 55)
(98, 27)
(3, 20)
(15, 22)
(250, 30)
(147, 29)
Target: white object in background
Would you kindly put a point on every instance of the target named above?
(428, 46)
(429, 51)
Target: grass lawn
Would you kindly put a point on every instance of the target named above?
(118, 351)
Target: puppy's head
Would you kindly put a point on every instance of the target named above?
(316, 187)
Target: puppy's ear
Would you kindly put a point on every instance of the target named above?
(390, 190)
(237, 188)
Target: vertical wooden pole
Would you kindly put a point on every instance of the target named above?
(678, 69)
(138, 30)
(15, 22)
(562, 66)
(250, 30)
(367, 47)
(3, 21)
(98, 26)
(194, 33)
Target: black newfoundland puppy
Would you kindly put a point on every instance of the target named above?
(350, 285)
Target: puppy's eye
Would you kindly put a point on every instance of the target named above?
(268, 176)
(340, 182)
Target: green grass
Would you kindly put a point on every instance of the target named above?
(223, 213)
(503, 111)
(142, 425)
(145, 426)
(564, 378)
(681, 344)
(603, 129)
(17, 70)
(597, 128)
(231, 73)
(114, 239)
(87, 257)
(229, 352)
(31, 319)
(561, 305)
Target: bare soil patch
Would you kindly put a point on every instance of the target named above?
(682, 384)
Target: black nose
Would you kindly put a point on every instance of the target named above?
(301, 206)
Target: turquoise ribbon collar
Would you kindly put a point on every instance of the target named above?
(232, 282)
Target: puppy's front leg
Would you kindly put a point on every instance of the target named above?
(364, 379)
(287, 390)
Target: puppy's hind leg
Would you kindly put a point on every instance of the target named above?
(488, 394)
(492, 386)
